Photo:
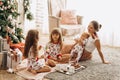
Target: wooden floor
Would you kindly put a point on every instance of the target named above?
(4, 75)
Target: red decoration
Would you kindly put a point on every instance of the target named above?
(1, 3)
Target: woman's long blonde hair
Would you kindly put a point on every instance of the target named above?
(31, 42)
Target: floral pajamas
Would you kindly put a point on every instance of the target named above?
(35, 63)
(77, 49)
(52, 50)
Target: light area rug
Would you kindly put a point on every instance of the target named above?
(22, 71)
(95, 70)
(29, 76)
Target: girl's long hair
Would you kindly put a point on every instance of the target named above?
(31, 42)
(56, 31)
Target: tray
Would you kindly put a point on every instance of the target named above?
(76, 70)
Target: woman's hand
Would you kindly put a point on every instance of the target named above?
(106, 62)
(98, 46)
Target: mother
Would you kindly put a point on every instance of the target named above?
(92, 42)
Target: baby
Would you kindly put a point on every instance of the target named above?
(77, 50)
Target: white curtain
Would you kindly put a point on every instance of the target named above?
(105, 12)
(42, 15)
(30, 24)
(39, 10)
(54, 7)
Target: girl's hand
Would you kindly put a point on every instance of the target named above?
(41, 57)
(39, 47)
(48, 50)
(59, 58)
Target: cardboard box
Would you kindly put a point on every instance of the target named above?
(4, 46)
(3, 60)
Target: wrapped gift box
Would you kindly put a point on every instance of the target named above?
(4, 49)
(14, 58)
(3, 60)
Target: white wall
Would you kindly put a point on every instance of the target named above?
(30, 24)
(105, 12)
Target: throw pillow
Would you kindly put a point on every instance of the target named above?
(68, 17)
(66, 48)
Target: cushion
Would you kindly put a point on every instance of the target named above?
(68, 17)
(66, 48)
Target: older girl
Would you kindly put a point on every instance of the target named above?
(35, 63)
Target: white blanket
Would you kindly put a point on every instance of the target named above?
(21, 71)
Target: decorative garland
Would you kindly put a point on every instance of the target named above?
(27, 12)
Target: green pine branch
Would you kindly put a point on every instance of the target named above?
(7, 9)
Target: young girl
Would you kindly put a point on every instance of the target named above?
(53, 49)
(77, 49)
(35, 63)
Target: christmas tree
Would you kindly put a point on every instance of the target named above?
(8, 21)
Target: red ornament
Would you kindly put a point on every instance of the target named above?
(1, 3)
